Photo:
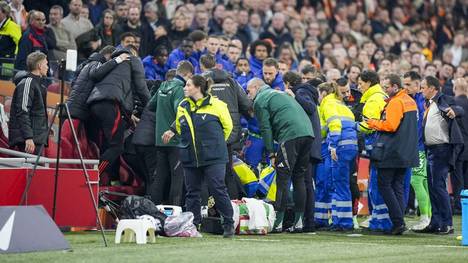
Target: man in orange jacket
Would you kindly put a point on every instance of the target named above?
(395, 149)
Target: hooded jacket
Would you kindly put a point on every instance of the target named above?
(307, 97)
(278, 83)
(122, 83)
(94, 71)
(28, 113)
(230, 92)
(178, 55)
(154, 71)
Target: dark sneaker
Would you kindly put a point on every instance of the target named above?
(427, 230)
(294, 230)
(445, 230)
(277, 230)
(399, 230)
(308, 229)
(229, 231)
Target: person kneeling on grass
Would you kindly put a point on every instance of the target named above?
(204, 124)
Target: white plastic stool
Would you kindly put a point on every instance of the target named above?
(170, 210)
(135, 229)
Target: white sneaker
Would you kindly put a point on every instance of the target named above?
(424, 221)
(355, 222)
(365, 224)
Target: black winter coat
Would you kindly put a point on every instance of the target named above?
(122, 83)
(230, 92)
(307, 97)
(28, 113)
(462, 101)
(145, 131)
(94, 71)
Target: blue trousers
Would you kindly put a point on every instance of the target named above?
(438, 157)
(380, 219)
(214, 177)
(342, 208)
(323, 186)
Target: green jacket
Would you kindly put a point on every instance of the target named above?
(165, 103)
(280, 117)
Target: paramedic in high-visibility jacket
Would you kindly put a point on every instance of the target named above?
(204, 124)
(395, 149)
(340, 135)
(370, 107)
(283, 120)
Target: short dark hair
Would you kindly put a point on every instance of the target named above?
(159, 50)
(184, 67)
(342, 81)
(308, 69)
(242, 58)
(413, 75)
(271, 62)
(370, 76)
(394, 80)
(197, 35)
(432, 81)
(208, 61)
(292, 78)
(107, 50)
(126, 34)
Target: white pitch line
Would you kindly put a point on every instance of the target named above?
(444, 246)
(258, 240)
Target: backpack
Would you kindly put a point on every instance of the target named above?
(134, 206)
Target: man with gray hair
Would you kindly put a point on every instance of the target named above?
(283, 120)
(278, 32)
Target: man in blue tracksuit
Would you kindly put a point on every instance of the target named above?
(184, 52)
(155, 64)
(259, 51)
(271, 74)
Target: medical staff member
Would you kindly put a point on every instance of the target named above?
(339, 132)
(372, 104)
(204, 124)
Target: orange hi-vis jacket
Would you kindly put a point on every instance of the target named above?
(397, 143)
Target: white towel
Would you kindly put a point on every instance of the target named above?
(257, 214)
(4, 120)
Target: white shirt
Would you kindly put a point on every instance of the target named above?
(436, 130)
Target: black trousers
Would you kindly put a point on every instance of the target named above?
(147, 158)
(292, 161)
(309, 221)
(391, 186)
(353, 185)
(107, 120)
(459, 179)
(233, 183)
(168, 184)
(213, 175)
